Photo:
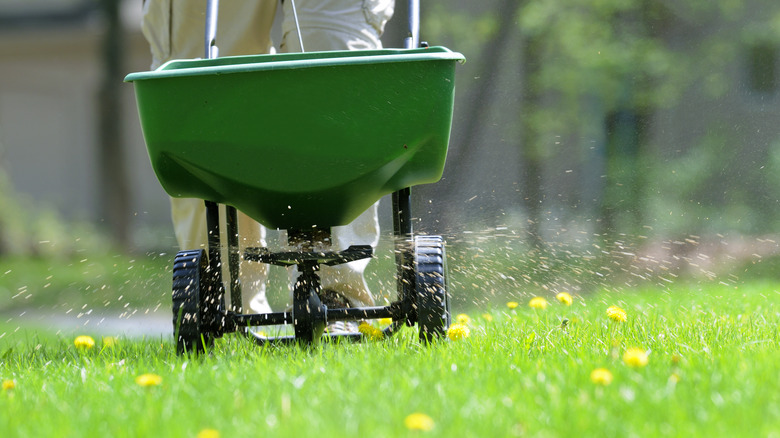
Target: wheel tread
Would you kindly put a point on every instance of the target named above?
(433, 316)
(187, 293)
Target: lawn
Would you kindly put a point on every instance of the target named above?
(712, 353)
(104, 281)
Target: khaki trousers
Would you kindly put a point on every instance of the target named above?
(175, 30)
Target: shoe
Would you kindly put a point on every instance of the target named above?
(342, 328)
(335, 300)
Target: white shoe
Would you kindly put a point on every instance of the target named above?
(342, 328)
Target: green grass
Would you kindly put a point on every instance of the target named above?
(109, 281)
(712, 371)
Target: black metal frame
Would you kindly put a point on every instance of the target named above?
(309, 315)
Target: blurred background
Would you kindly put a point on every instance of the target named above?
(639, 137)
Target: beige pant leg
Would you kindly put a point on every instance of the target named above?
(189, 224)
(335, 24)
(175, 30)
(342, 25)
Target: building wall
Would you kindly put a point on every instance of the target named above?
(49, 84)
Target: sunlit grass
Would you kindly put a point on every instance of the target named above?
(711, 371)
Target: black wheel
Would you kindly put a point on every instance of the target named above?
(433, 311)
(193, 316)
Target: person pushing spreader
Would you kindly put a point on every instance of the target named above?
(340, 130)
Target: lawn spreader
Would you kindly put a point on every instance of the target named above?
(339, 130)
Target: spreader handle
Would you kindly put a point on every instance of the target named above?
(412, 40)
(212, 9)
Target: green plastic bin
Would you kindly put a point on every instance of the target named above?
(297, 140)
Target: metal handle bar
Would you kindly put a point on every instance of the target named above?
(412, 40)
(212, 8)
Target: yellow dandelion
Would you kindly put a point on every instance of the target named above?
(601, 376)
(487, 317)
(84, 342)
(565, 298)
(635, 357)
(419, 421)
(538, 303)
(458, 331)
(370, 332)
(674, 378)
(148, 380)
(512, 304)
(385, 321)
(8, 385)
(462, 318)
(110, 341)
(615, 313)
(208, 433)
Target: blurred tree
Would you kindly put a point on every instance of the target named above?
(11, 220)
(491, 35)
(485, 33)
(532, 147)
(114, 186)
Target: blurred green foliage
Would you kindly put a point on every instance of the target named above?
(85, 283)
(30, 228)
(585, 63)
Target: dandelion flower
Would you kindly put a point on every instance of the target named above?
(615, 313)
(487, 317)
(601, 376)
(419, 421)
(110, 341)
(148, 380)
(386, 321)
(635, 357)
(8, 385)
(538, 303)
(208, 433)
(512, 304)
(370, 332)
(462, 318)
(84, 342)
(565, 298)
(458, 331)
